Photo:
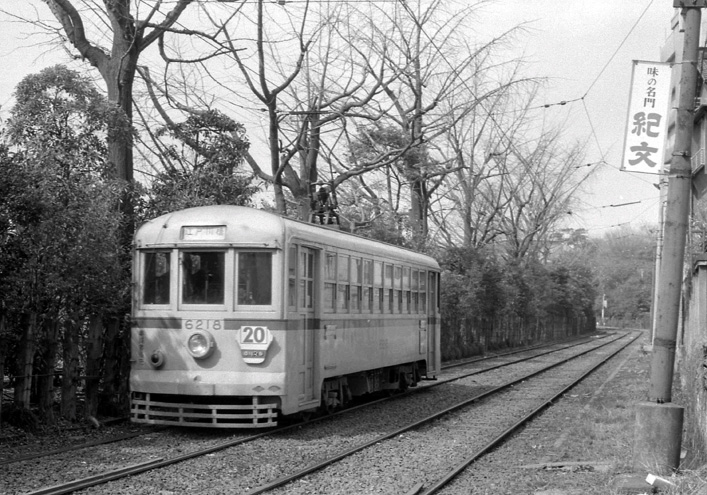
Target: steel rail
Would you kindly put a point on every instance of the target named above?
(102, 478)
(320, 465)
(128, 436)
(528, 358)
(99, 479)
(85, 445)
(439, 383)
(486, 357)
(459, 468)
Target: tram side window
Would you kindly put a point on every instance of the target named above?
(306, 278)
(292, 277)
(367, 296)
(202, 277)
(423, 292)
(356, 284)
(406, 290)
(377, 287)
(155, 281)
(415, 293)
(254, 279)
(388, 296)
(330, 282)
(343, 288)
(398, 288)
(434, 293)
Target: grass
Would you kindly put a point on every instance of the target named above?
(590, 428)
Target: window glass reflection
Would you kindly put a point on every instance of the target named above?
(156, 278)
(254, 279)
(202, 277)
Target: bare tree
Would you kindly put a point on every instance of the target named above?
(515, 187)
(546, 177)
(469, 204)
(307, 77)
(432, 94)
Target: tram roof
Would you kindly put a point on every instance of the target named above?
(262, 228)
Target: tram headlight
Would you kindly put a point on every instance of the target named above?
(157, 359)
(200, 345)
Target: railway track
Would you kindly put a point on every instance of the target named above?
(249, 443)
(439, 485)
(80, 446)
(501, 359)
(453, 435)
(531, 350)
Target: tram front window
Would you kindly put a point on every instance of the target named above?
(156, 278)
(202, 277)
(254, 279)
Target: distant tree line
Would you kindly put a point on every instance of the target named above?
(623, 261)
(490, 305)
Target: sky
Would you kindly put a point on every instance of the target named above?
(585, 50)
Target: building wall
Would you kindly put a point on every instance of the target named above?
(692, 359)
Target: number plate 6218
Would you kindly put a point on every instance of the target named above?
(202, 324)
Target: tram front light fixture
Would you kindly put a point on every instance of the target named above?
(157, 359)
(200, 345)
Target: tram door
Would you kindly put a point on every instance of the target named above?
(306, 308)
(432, 323)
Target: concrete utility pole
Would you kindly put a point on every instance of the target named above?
(658, 422)
(676, 215)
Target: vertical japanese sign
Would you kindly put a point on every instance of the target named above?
(647, 123)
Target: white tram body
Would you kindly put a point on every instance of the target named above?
(240, 315)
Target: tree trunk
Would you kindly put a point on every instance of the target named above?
(71, 369)
(94, 348)
(120, 149)
(45, 374)
(28, 345)
(119, 76)
(2, 384)
(111, 375)
(274, 145)
(418, 199)
(418, 212)
(122, 342)
(3, 347)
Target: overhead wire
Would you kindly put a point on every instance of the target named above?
(563, 102)
(601, 72)
(591, 86)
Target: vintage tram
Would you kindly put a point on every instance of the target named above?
(241, 315)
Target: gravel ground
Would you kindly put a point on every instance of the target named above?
(577, 446)
(426, 454)
(582, 444)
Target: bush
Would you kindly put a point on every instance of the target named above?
(23, 419)
(488, 305)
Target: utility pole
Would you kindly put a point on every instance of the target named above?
(658, 257)
(658, 421)
(677, 213)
